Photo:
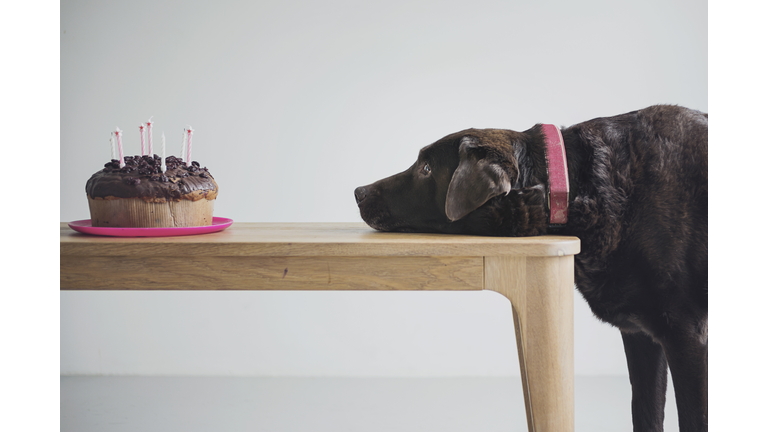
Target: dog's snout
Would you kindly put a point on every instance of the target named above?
(360, 194)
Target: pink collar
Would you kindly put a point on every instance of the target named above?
(557, 167)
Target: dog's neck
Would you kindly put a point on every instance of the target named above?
(535, 170)
(557, 174)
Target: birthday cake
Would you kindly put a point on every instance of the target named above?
(139, 193)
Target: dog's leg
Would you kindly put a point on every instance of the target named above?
(687, 358)
(648, 376)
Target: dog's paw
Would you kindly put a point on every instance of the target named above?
(529, 211)
(520, 213)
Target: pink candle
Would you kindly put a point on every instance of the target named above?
(119, 135)
(141, 130)
(190, 131)
(149, 134)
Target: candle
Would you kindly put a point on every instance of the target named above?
(112, 144)
(141, 130)
(190, 131)
(149, 136)
(183, 143)
(119, 136)
(162, 160)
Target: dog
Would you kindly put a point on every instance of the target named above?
(636, 199)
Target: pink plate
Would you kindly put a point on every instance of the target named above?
(84, 226)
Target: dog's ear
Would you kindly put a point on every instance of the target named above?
(476, 180)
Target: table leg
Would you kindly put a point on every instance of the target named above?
(541, 292)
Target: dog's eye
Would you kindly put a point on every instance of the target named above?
(426, 169)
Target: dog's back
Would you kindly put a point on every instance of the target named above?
(640, 207)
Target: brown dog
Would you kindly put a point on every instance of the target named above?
(637, 202)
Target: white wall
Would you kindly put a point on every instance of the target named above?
(294, 104)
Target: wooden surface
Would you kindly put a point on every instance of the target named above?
(271, 273)
(534, 273)
(541, 292)
(291, 256)
(313, 239)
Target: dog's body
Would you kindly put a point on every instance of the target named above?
(638, 203)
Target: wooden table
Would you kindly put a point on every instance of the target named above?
(534, 273)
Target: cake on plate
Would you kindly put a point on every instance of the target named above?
(140, 194)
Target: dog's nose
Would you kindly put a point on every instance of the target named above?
(360, 194)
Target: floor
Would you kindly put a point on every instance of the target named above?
(113, 404)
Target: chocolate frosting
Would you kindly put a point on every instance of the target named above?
(141, 177)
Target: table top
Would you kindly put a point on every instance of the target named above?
(314, 239)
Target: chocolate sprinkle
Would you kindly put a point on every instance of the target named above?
(141, 177)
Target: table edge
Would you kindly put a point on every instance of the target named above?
(76, 244)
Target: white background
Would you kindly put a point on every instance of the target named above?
(294, 104)
(33, 113)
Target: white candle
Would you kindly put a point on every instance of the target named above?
(162, 160)
(190, 131)
(112, 144)
(183, 143)
(149, 136)
(119, 136)
(141, 129)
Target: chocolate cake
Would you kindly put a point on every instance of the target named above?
(140, 195)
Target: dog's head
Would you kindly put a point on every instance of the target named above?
(451, 179)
